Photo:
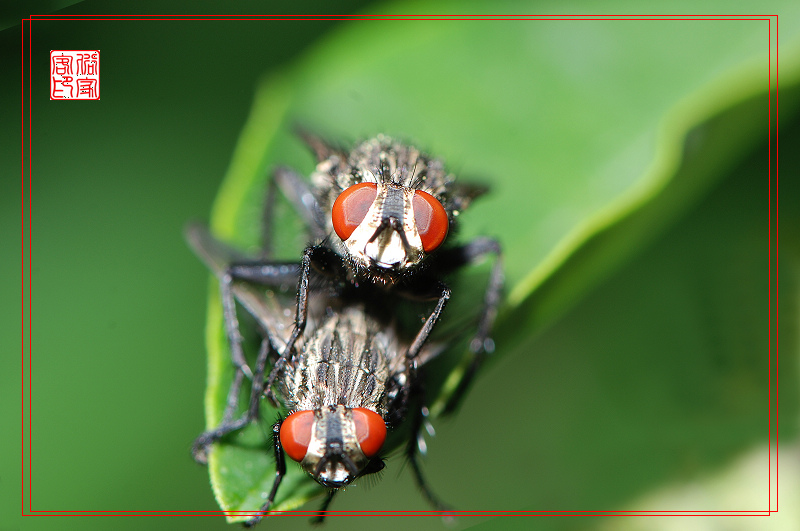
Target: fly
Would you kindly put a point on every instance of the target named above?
(351, 380)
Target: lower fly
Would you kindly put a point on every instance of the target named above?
(351, 381)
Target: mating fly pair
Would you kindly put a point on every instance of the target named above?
(344, 370)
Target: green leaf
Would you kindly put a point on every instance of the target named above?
(595, 136)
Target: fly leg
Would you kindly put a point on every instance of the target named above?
(256, 272)
(228, 424)
(326, 262)
(416, 446)
(481, 344)
(280, 471)
(320, 518)
(425, 331)
(299, 323)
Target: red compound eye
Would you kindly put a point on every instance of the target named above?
(296, 434)
(431, 219)
(370, 430)
(351, 207)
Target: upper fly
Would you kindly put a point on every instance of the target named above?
(390, 205)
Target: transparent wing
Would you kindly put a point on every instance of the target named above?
(271, 301)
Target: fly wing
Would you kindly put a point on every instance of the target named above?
(429, 352)
(271, 306)
(461, 194)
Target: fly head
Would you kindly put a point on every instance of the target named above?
(389, 205)
(334, 444)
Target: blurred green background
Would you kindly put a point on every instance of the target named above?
(629, 163)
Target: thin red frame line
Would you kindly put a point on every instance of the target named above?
(30, 271)
(419, 513)
(232, 511)
(769, 267)
(360, 17)
(99, 17)
(117, 18)
(397, 17)
(403, 513)
(22, 254)
(777, 274)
